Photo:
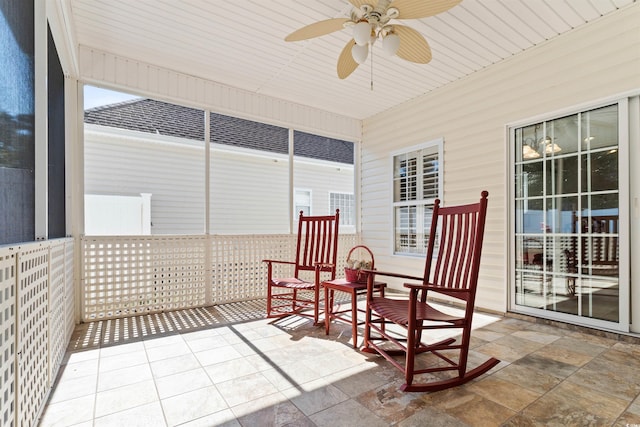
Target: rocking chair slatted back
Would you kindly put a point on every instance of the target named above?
(459, 245)
(317, 252)
(317, 242)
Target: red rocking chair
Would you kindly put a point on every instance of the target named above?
(456, 235)
(316, 253)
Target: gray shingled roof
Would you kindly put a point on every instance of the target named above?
(157, 117)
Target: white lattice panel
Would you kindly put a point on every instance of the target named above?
(69, 289)
(237, 270)
(33, 372)
(123, 276)
(7, 337)
(57, 329)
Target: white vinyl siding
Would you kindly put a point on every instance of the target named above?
(249, 193)
(592, 62)
(130, 163)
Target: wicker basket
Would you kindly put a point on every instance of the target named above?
(355, 275)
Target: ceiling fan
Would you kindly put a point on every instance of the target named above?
(372, 20)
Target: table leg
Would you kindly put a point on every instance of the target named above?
(328, 308)
(354, 318)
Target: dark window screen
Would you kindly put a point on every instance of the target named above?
(56, 143)
(17, 104)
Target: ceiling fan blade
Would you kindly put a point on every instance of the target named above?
(410, 9)
(413, 46)
(346, 63)
(317, 29)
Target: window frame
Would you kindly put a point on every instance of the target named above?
(435, 146)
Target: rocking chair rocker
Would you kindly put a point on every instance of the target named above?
(453, 272)
(316, 254)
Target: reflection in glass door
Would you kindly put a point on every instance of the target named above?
(567, 205)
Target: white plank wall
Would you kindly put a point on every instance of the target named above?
(125, 74)
(584, 65)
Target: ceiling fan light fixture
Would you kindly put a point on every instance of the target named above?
(360, 53)
(391, 44)
(362, 33)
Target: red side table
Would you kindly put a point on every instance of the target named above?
(354, 289)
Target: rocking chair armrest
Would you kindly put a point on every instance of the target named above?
(275, 261)
(390, 274)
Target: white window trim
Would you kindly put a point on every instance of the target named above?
(439, 143)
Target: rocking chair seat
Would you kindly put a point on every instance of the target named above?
(292, 283)
(397, 311)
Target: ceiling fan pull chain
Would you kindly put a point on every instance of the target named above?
(371, 73)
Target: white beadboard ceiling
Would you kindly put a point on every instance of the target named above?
(240, 43)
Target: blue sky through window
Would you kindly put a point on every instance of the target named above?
(95, 97)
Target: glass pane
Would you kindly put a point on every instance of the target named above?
(603, 205)
(560, 213)
(600, 128)
(532, 179)
(599, 298)
(530, 216)
(564, 135)
(561, 302)
(405, 182)
(533, 253)
(604, 170)
(405, 229)
(529, 289)
(430, 173)
(527, 143)
(562, 175)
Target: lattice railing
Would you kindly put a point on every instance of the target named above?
(8, 337)
(36, 290)
(130, 275)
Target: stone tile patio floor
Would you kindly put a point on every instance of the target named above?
(227, 365)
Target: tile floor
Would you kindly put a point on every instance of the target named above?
(227, 365)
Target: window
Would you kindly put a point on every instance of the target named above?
(302, 202)
(346, 203)
(417, 182)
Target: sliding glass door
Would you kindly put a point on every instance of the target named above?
(567, 218)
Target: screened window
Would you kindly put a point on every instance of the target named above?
(17, 138)
(416, 184)
(346, 203)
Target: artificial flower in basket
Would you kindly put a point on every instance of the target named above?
(353, 271)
